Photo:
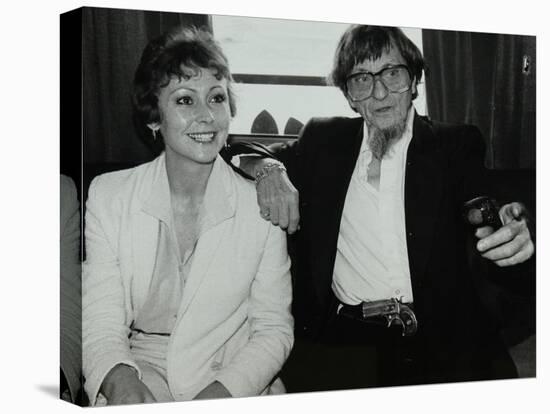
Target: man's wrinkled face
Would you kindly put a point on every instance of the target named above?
(384, 110)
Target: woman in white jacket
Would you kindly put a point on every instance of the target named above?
(186, 290)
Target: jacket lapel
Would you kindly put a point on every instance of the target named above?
(205, 253)
(219, 205)
(153, 198)
(332, 181)
(423, 192)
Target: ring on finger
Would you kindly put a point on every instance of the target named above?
(265, 213)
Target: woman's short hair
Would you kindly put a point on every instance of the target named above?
(179, 53)
(360, 43)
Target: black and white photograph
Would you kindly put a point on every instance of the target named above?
(276, 206)
(298, 208)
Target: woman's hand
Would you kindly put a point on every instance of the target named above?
(214, 390)
(122, 386)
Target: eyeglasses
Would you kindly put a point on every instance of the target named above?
(396, 78)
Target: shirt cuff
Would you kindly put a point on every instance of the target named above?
(96, 398)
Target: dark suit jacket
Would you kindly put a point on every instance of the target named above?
(444, 169)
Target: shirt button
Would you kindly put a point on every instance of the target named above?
(410, 234)
(397, 292)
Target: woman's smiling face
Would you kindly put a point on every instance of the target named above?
(194, 115)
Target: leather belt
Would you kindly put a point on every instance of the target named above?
(387, 312)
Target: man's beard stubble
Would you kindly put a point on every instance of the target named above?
(381, 140)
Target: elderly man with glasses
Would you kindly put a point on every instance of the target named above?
(383, 294)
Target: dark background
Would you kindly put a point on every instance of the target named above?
(476, 78)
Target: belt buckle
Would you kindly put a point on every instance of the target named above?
(395, 312)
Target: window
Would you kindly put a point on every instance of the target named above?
(280, 67)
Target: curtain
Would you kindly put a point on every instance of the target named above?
(487, 80)
(112, 43)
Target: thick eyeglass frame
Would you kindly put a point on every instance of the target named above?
(378, 75)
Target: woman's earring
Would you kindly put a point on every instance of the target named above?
(154, 131)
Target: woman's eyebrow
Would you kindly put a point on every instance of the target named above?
(191, 89)
(180, 88)
(217, 87)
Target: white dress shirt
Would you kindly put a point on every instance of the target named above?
(371, 259)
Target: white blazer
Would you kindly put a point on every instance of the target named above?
(234, 323)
